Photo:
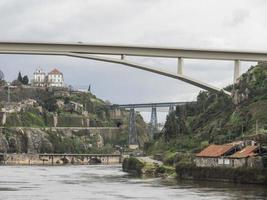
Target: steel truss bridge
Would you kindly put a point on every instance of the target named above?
(153, 120)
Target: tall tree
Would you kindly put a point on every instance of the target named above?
(20, 78)
(2, 76)
(25, 80)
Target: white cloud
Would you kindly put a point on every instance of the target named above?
(239, 24)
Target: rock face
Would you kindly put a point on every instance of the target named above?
(3, 142)
(38, 140)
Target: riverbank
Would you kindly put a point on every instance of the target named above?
(59, 159)
(222, 174)
(146, 166)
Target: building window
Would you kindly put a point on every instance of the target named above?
(226, 161)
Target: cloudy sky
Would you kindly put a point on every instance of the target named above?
(217, 24)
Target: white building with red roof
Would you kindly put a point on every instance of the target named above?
(52, 79)
(55, 78)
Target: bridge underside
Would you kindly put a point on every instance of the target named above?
(180, 77)
(91, 52)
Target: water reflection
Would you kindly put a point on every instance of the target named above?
(109, 182)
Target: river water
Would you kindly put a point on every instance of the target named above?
(109, 182)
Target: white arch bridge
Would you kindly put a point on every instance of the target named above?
(98, 52)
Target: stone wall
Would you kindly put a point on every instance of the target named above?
(37, 159)
(253, 162)
(203, 162)
(236, 175)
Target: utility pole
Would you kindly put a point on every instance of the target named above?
(8, 92)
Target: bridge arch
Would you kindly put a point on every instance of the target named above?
(89, 51)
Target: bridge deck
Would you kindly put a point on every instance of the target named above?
(108, 49)
(149, 105)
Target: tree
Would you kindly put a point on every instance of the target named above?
(51, 104)
(25, 80)
(20, 78)
(171, 127)
(202, 99)
(2, 76)
(89, 88)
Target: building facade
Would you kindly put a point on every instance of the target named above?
(52, 79)
(247, 157)
(39, 78)
(55, 78)
(215, 155)
(229, 155)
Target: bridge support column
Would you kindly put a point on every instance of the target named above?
(236, 70)
(133, 143)
(180, 66)
(153, 122)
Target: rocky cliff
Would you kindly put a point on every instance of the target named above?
(40, 140)
(32, 112)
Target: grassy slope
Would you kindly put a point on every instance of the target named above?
(215, 118)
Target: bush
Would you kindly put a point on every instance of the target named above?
(132, 165)
(264, 161)
(170, 158)
(204, 144)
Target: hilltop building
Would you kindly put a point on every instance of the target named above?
(39, 78)
(52, 79)
(55, 78)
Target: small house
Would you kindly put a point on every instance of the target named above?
(74, 107)
(247, 157)
(215, 155)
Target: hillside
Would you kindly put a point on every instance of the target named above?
(54, 101)
(217, 118)
(32, 111)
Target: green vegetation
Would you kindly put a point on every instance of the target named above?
(217, 118)
(140, 167)
(31, 118)
(23, 80)
(133, 165)
(52, 104)
(237, 175)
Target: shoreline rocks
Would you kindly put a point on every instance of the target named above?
(145, 166)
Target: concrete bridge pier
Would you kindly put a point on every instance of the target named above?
(237, 70)
(180, 66)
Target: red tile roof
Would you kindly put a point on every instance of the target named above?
(246, 152)
(55, 71)
(215, 150)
